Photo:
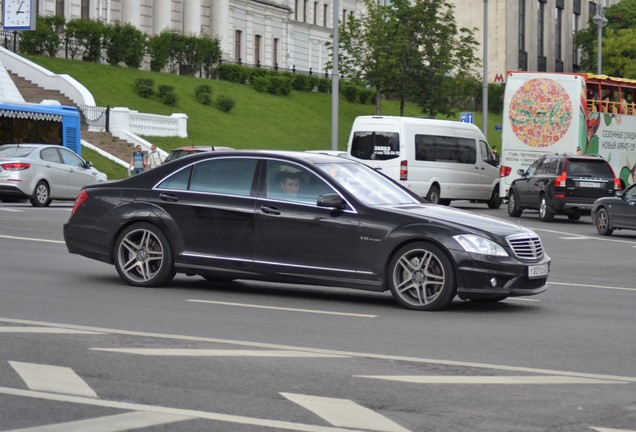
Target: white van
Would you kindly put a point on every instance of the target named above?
(440, 160)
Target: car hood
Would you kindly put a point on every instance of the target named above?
(472, 222)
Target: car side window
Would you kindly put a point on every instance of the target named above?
(50, 155)
(177, 181)
(290, 182)
(71, 159)
(532, 169)
(224, 176)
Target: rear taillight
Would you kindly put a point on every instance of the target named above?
(404, 170)
(617, 184)
(83, 196)
(15, 166)
(504, 171)
(560, 180)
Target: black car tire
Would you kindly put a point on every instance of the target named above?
(41, 195)
(421, 277)
(495, 199)
(143, 256)
(546, 214)
(433, 194)
(513, 204)
(602, 222)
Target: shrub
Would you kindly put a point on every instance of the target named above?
(125, 43)
(350, 92)
(89, 35)
(324, 85)
(280, 85)
(225, 103)
(302, 82)
(260, 83)
(167, 95)
(45, 39)
(203, 94)
(233, 73)
(367, 96)
(143, 86)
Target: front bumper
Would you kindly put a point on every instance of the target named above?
(480, 276)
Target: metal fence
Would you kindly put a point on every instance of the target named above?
(97, 119)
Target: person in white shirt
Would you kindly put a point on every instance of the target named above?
(154, 158)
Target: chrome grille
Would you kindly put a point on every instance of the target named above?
(526, 247)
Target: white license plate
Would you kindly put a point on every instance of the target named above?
(591, 184)
(537, 271)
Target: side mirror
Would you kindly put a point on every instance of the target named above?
(496, 160)
(619, 193)
(88, 164)
(521, 171)
(331, 200)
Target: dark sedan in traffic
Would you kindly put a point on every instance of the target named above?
(615, 213)
(296, 217)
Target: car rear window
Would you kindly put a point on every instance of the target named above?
(589, 168)
(375, 145)
(15, 151)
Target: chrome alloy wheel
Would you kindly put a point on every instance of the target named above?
(418, 277)
(140, 255)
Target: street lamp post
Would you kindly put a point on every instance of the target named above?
(600, 21)
(484, 90)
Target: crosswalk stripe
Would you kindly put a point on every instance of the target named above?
(51, 330)
(453, 379)
(56, 379)
(114, 423)
(345, 413)
(217, 353)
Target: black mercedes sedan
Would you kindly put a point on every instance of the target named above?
(615, 213)
(297, 217)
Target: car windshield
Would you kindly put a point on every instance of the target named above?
(366, 184)
(15, 151)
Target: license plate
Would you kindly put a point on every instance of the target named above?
(537, 271)
(591, 184)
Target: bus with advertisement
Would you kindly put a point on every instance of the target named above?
(40, 124)
(574, 113)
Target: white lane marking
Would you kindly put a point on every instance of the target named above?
(345, 413)
(228, 418)
(55, 379)
(610, 239)
(11, 210)
(31, 239)
(216, 353)
(113, 423)
(522, 299)
(519, 369)
(601, 429)
(592, 286)
(51, 330)
(283, 308)
(575, 238)
(453, 379)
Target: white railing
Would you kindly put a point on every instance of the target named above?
(158, 125)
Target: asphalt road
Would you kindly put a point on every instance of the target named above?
(79, 349)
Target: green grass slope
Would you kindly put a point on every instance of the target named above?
(300, 121)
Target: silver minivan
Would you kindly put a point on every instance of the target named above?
(440, 160)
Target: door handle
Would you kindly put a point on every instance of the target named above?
(168, 197)
(270, 210)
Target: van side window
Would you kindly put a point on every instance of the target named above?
(445, 149)
(375, 145)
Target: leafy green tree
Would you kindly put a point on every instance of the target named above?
(87, 34)
(619, 54)
(125, 43)
(45, 39)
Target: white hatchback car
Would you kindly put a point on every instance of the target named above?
(42, 173)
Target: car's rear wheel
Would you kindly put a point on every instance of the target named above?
(513, 204)
(433, 194)
(546, 214)
(421, 277)
(143, 256)
(602, 222)
(495, 200)
(41, 195)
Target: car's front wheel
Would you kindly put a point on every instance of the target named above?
(421, 277)
(602, 222)
(41, 195)
(143, 256)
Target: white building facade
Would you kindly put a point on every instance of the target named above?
(528, 35)
(288, 34)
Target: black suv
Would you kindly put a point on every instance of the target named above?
(563, 184)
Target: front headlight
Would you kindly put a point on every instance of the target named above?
(480, 245)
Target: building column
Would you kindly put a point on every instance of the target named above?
(161, 16)
(192, 17)
(219, 25)
(131, 13)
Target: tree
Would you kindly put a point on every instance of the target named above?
(411, 49)
(87, 34)
(125, 43)
(619, 57)
(45, 39)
